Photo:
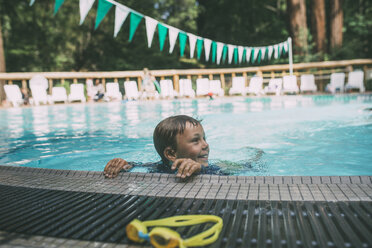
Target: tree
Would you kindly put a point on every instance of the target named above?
(337, 17)
(318, 22)
(298, 25)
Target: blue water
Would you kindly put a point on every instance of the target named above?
(288, 135)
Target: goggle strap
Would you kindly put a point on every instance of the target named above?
(201, 238)
(182, 220)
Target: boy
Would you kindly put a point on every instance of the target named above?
(180, 142)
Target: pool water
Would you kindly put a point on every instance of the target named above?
(287, 135)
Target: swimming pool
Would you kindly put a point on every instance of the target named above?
(287, 135)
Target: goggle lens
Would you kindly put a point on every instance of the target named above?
(160, 241)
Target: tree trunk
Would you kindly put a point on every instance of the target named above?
(318, 22)
(2, 66)
(337, 18)
(298, 26)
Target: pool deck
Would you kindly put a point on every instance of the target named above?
(259, 188)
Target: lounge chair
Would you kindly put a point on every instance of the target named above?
(215, 87)
(39, 80)
(131, 90)
(13, 94)
(76, 93)
(59, 94)
(202, 86)
(274, 87)
(238, 86)
(290, 85)
(113, 92)
(355, 81)
(186, 88)
(166, 89)
(308, 83)
(337, 82)
(255, 85)
(39, 95)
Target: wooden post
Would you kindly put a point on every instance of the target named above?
(104, 83)
(176, 83)
(139, 83)
(223, 83)
(199, 76)
(210, 76)
(50, 85)
(245, 79)
(189, 77)
(75, 81)
(10, 82)
(272, 74)
(24, 84)
(115, 80)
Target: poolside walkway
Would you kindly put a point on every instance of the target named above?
(244, 189)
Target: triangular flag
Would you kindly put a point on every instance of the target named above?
(219, 51)
(32, 2)
(121, 13)
(150, 29)
(263, 53)
(162, 30)
(240, 53)
(207, 48)
(224, 53)
(57, 5)
(173, 33)
(235, 55)
(182, 38)
(244, 55)
(192, 40)
(135, 19)
(280, 48)
(255, 53)
(259, 55)
(286, 46)
(248, 54)
(199, 47)
(231, 52)
(214, 51)
(270, 52)
(275, 51)
(103, 8)
(85, 6)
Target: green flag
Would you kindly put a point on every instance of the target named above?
(214, 51)
(235, 55)
(57, 5)
(135, 19)
(244, 55)
(259, 56)
(252, 55)
(162, 31)
(199, 45)
(103, 8)
(224, 53)
(183, 38)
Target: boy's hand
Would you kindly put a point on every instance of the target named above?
(186, 167)
(114, 166)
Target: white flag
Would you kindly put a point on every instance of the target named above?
(270, 52)
(173, 34)
(207, 48)
(263, 52)
(286, 46)
(121, 13)
(231, 52)
(240, 53)
(150, 29)
(85, 6)
(255, 53)
(192, 39)
(32, 2)
(276, 51)
(248, 54)
(219, 52)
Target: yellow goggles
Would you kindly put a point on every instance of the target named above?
(161, 237)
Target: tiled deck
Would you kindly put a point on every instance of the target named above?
(278, 188)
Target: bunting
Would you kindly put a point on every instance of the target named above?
(216, 52)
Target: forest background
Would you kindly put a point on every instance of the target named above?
(32, 39)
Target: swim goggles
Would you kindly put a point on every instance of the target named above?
(161, 237)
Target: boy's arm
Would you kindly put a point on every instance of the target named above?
(186, 167)
(114, 166)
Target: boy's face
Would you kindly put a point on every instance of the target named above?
(192, 144)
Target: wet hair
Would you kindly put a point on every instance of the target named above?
(166, 131)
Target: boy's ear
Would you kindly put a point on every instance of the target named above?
(170, 154)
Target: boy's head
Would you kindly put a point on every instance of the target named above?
(181, 136)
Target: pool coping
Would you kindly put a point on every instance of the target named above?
(267, 188)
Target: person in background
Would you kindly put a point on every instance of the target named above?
(148, 85)
(25, 96)
(100, 91)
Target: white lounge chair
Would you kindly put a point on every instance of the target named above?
(238, 86)
(337, 82)
(166, 89)
(13, 94)
(113, 91)
(308, 83)
(39, 95)
(131, 90)
(202, 86)
(59, 94)
(274, 87)
(76, 93)
(355, 81)
(215, 87)
(290, 85)
(186, 88)
(255, 86)
(39, 80)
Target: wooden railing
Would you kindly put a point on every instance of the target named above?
(321, 70)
